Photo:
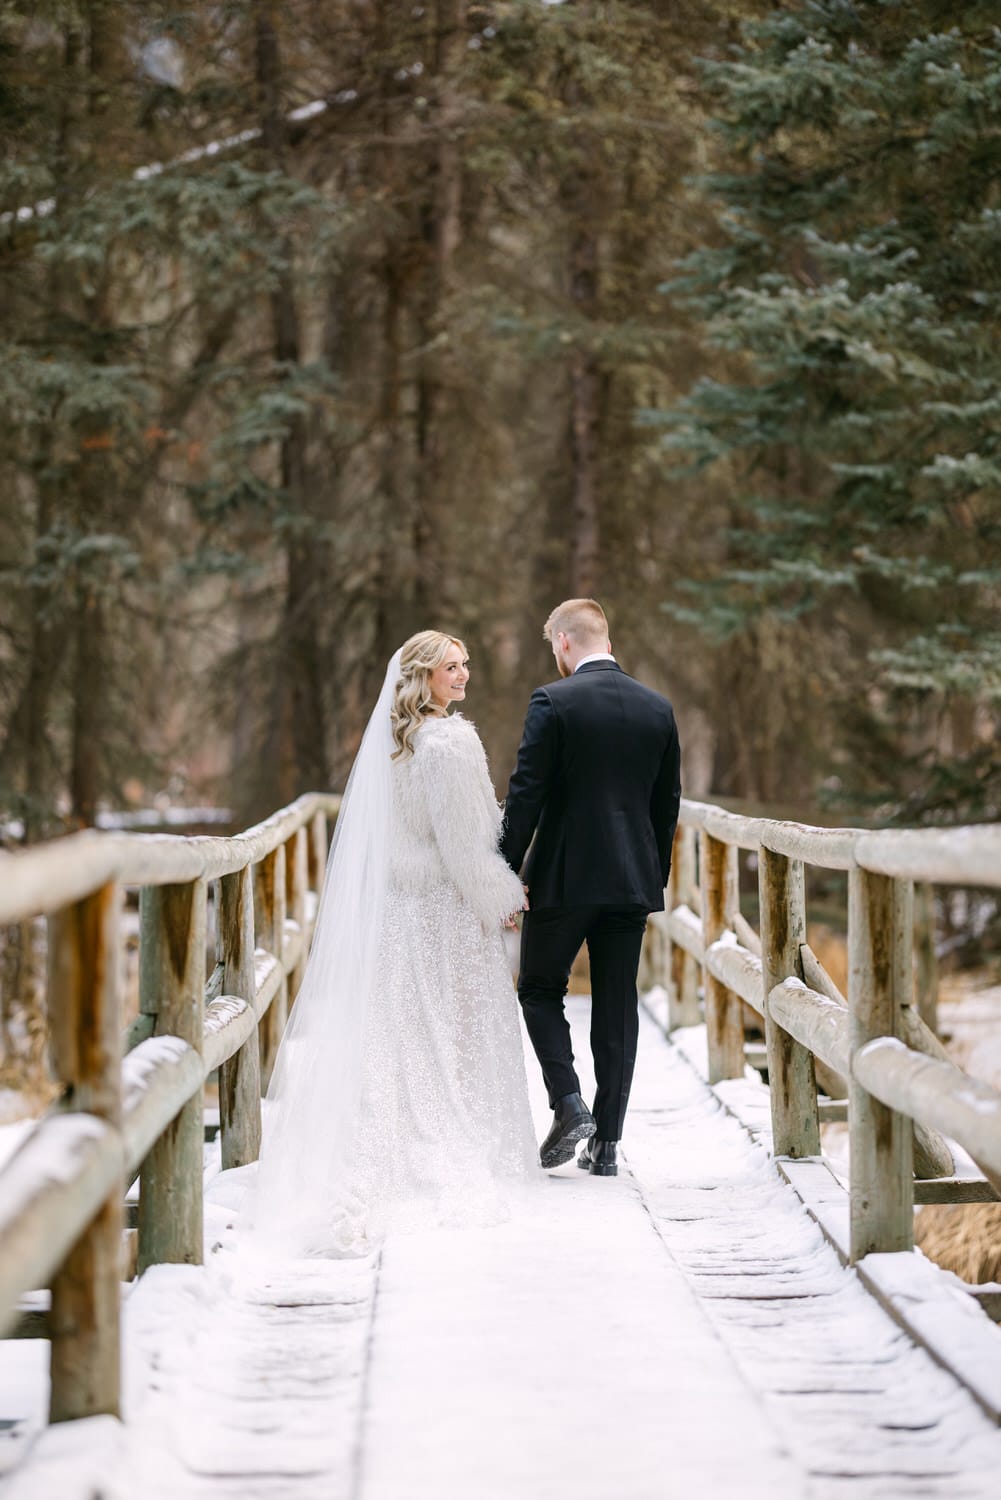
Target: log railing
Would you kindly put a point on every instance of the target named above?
(132, 1101)
(904, 1094)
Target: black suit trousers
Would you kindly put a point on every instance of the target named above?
(550, 941)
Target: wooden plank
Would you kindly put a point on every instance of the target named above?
(833, 1111)
(955, 1190)
(944, 856)
(918, 1295)
(942, 1318)
(937, 1093)
(823, 1197)
(240, 1075)
(791, 1079)
(85, 1359)
(724, 1016)
(880, 945)
(172, 949)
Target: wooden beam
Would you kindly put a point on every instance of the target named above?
(932, 1153)
(739, 970)
(684, 929)
(52, 1186)
(938, 1092)
(240, 1075)
(83, 995)
(317, 851)
(944, 856)
(172, 972)
(815, 1020)
(791, 1080)
(296, 885)
(683, 980)
(724, 1016)
(269, 924)
(880, 945)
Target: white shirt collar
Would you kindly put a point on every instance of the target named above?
(595, 656)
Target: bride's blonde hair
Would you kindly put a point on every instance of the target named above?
(412, 701)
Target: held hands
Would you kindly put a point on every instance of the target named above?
(510, 921)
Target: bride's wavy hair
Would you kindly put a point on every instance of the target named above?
(412, 701)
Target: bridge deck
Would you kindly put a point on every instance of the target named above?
(681, 1329)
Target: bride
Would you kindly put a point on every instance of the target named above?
(398, 1097)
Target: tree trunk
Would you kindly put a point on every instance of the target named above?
(581, 193)
(441, 232)
(300, 668)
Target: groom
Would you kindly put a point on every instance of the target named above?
(598, 784)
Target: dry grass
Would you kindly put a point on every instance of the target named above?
(962, 1237)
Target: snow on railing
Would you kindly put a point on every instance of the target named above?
(807, 1020)
(62, 1188)
(909, 1108)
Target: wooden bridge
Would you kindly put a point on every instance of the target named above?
(725, 1315)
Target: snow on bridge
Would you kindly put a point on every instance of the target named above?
(684, 1329)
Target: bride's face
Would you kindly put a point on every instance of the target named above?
(448, 682)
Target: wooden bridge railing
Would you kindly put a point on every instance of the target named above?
(904, 1093)
(132, 1101)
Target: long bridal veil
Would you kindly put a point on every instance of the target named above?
(313, 1100)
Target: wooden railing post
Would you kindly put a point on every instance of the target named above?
(172, 985)
(880, 958)
(791, 1078)
(682, 988)
(240, 1075)
(317, 851)
(296, 881)
(84, 1324)
(724, 1014)
(269, 920)
(925, 957)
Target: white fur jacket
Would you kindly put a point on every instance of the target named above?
(447, 821)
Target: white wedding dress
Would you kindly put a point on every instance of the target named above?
(399, 1099)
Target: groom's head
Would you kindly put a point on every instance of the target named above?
(575, 629)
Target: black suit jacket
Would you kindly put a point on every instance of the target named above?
(598, 781)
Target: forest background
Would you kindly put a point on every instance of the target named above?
(329, 321)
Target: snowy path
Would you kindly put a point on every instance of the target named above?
(681, 1329)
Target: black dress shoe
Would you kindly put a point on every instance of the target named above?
(599, 1158)
(572, 1122)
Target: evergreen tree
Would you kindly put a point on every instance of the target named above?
(853, 294)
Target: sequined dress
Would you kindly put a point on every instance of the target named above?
(445, 1136)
